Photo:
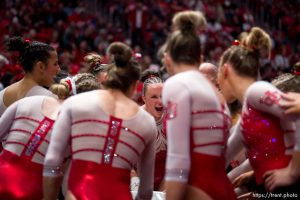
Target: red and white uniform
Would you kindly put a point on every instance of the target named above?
(27, 133)
(197, 131)
(160, 153)
(104, 149)
(34, 91)
(267, 134)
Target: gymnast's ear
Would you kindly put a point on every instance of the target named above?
(225, 70)
(40, 66)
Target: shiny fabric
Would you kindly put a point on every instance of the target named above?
(20, 179)
(208, 174)
(263, 138)
(92, 181)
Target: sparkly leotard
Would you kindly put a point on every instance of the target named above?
(267, 134)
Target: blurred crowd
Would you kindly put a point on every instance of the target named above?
(75, 28)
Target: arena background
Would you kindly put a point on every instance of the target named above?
(78, 27)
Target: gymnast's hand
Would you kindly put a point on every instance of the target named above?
(278, 178)
(291, 103)
(244, 179)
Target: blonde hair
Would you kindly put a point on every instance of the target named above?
(245, 57)
(296, 67)
(242, 37)
(83, 82)
(287, 82)
(93, 61)
(258, 39)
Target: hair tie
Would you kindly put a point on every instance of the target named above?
(72, 85)
(96, 63)
(27, 41)
(151, 76)
(296, 73)
(137, 56)
(253, 48)
(236, 43)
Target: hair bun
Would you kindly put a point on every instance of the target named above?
(121, 53)
(258, 40)
(17, 44)
(189, 21)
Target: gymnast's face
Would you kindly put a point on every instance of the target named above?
(49, 70)
(152, 100)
